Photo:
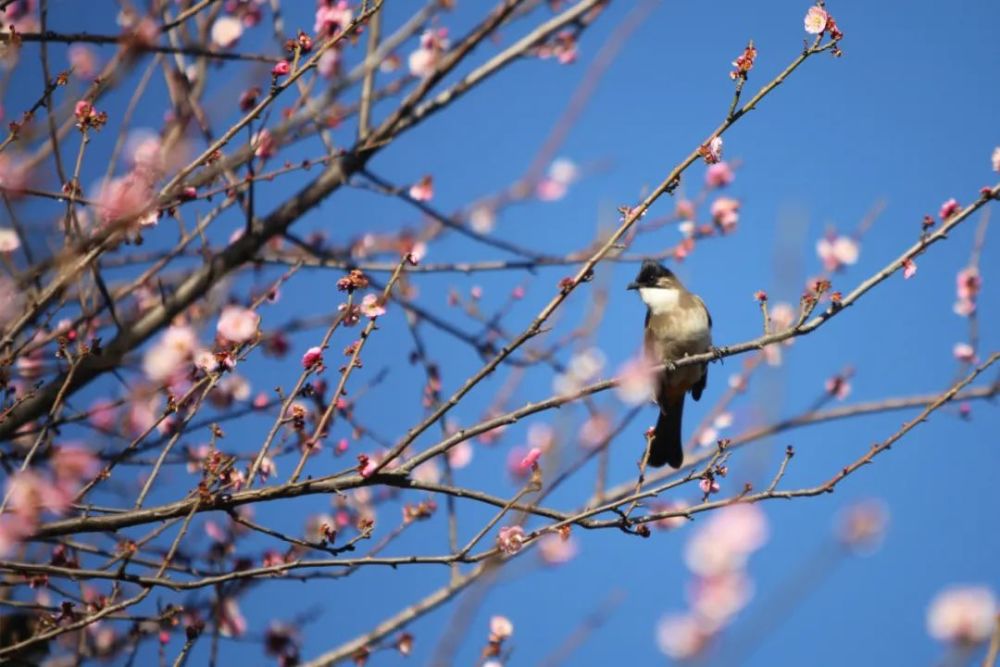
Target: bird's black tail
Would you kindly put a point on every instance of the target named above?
(667, 446)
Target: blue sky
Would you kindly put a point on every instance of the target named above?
(907, 117)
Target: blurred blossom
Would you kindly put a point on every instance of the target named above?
(14, 175)
(595, 430)
(635, 381)
(226, 31)
(962, 615)
(482, 219)
(838, 387)
(995, 159)
(460, 455)
(719, 175)
(169, 355)
(581, 370)
(726, 213)
(74, 464)
(320, 528)
(555, 549)
(968, 283)
(684, 210)
(562, 172)
(424, 60)
(541, 435)
(264, 144)
(332, 16)
(238, 324)
(231, 620)
(329, 63)
(423, 190)
(102, 415)
(11, 300)
(862, 525)
(428, 472)
(9, 241)
(964, 353)
(714, 150)
(725, 541)
(909, 269)
(500, 628)
(13, 529)
(21, 16)
(372, 306)
(673, 522)
(681, 636)
(126, 198)
(717, 599)
(31, 493)
(816, 19)
(510, 539)
(837, 251)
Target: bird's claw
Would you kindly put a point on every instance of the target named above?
(716, 353)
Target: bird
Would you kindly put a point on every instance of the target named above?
(677, 325)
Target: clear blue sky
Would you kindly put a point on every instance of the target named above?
(906, 116)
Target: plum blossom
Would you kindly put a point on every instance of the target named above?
(83, 60)
(995, 159)
(281, 68)
(816, 20)
(423, 190)
(73, 464)
(724, 543)
(264, 144)
(582, 368)
(313, 358)
(510, 539)
(968, 283)
(372, 307)
(562, 173)
(530, 459)
(909, 269)
(717, 599)
(128, 197)
(231, 620)
(862, 525)
(681, 636)
(712, 151)
(964, 353)
(332, 16)
(635, 381)
(238, 324)
(719, 175)
(725, 213)
(838, 386)
(672, 522)
(424, 60)
(500, 628)
(226, 31)
(9, 240)
(962, 615)
(460, 455)
(329, 63)
(949, 209)
(837, 251)
(555, 549)
(31, 493)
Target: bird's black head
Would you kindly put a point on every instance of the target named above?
(652, 274)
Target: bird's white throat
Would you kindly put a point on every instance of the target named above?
(660, 299)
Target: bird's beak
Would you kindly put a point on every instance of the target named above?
(633, 285)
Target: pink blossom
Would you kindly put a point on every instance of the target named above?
(726, 540)
(206, 361)
(709, 485)
(550, 190)
(124, 198)
(563, 170)
(238, 324)
(145, 150)
(681, 636)
(725, 212)
(332, 16)
(949, 208)
(30, 494)
(73, 464)
(816, 19)
(635, 381)
(554, 549)
(672, 522)
(909, 269)
(714, 150)
(264, 144)
(837, 251)
(595, 430)
(424, 60)
(102, 415)
(838, 386)
(83, 60)
(717, 599)
(9, 240)
(329, 63)
(684, 210)
(281, 68)
(268, 468)
(995, 159)
(460, 455)
(231, 620)
(482, 219)
(511, 539)
(968, 283)
(964, 353)
(226, 31)
(500, 628)
(862, 525)
(372, 307)
(719, 175)
(530, 461)
(15, 176)
(962, 615)
(423, 190)
(313, 357)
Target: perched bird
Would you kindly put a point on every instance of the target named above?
(677, 325)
